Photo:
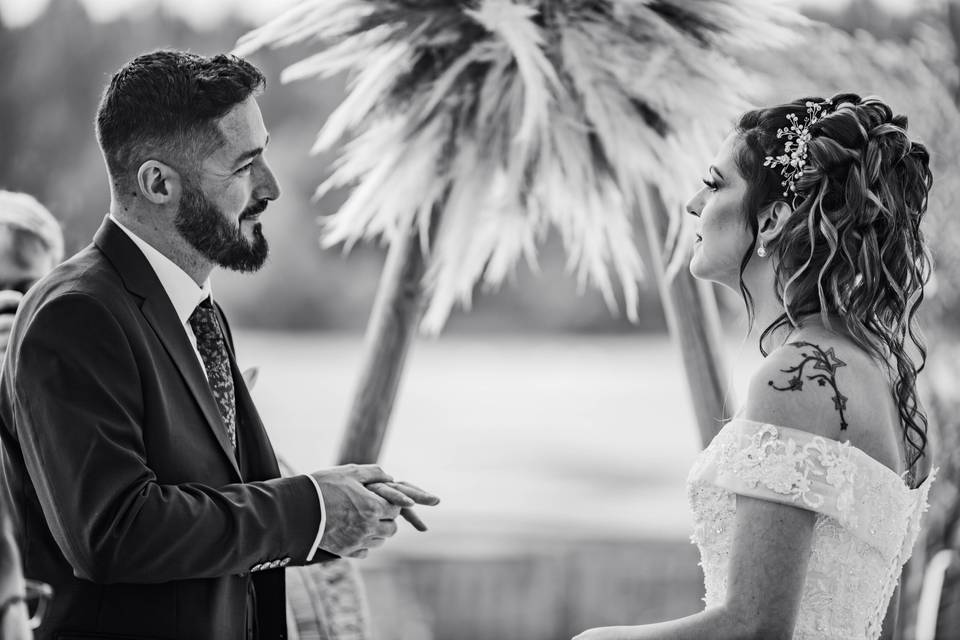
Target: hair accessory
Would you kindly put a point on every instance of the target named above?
(762, 251)
(794, 157)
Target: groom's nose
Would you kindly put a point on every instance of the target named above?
(267, 186)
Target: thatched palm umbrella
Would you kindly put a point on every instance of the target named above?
(478, 125)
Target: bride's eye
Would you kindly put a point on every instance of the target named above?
(710, 184)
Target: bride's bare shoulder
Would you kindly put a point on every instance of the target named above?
(828, 386)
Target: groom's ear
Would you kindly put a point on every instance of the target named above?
(158, 182)
(771, 222)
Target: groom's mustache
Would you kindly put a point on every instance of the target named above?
(255, 209)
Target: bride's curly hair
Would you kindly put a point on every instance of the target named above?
(852, 247)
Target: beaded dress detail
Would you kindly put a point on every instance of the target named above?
(867, 521)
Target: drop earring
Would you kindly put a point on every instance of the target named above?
(762, 251)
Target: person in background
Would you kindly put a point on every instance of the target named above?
(31, 245)
(22, 602)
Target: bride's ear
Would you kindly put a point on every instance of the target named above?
(771, 222)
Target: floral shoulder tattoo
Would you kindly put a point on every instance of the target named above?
(822, 367)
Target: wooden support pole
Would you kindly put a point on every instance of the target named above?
(328, 600)
(393, 323)
(691, 310)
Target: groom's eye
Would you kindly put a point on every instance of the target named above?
(245, 168)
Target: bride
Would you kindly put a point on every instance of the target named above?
(807, 505)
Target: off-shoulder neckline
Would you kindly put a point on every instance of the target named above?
(806, 435)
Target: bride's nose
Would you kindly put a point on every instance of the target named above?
(694, 206)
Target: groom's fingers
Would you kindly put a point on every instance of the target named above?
(368, 473)
(410, 516)
(405, 495)
(415, 493)
(390, 494)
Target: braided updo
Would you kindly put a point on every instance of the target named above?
(852, 247)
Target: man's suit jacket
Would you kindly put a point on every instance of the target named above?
(127, 493)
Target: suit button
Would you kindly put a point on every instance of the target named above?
(285, 562)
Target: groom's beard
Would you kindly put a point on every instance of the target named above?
(209, 231)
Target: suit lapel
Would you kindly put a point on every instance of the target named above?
(251, 435)
(140, 279)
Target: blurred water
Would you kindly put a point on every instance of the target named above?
(526, 439)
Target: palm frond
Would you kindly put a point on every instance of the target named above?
(512, 117)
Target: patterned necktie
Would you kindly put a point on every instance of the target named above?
(216, 360)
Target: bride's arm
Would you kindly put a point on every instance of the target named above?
(768, 563)
(771, 541)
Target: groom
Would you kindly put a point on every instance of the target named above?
(142, 481)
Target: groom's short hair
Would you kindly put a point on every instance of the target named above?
(164, 106)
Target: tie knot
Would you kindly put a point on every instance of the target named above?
(203, 318)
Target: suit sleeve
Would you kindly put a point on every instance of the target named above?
(79, 408)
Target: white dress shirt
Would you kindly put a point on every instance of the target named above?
(185, 295)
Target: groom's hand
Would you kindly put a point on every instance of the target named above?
(357, 519)
(405, 495)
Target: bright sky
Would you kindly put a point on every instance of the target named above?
(201, 14)
(208, 13)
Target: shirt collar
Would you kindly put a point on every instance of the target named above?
(183, 292)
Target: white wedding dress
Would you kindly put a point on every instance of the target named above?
(867, 520)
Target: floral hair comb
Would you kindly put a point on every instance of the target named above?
(794, 156)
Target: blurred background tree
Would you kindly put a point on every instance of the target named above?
(48, 98)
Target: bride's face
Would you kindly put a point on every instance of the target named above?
(723, 236)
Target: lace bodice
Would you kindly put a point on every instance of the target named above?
(867, 520)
